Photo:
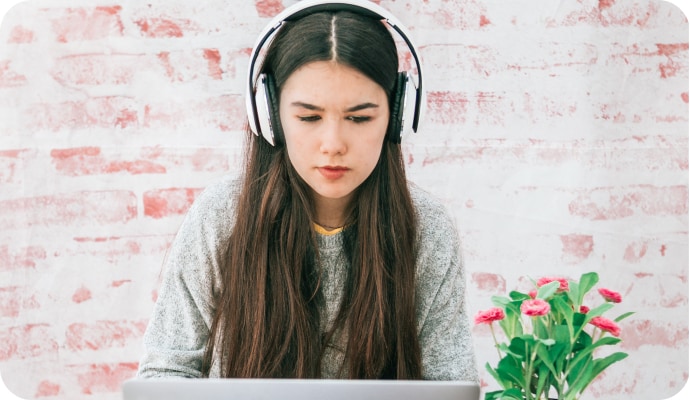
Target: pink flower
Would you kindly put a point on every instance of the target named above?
(584, 309)
(489, 316)
(610, 295)
(606, 325)
(533, 294)
(535, 307)
(564, 283)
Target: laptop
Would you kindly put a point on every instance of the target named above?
(294, 389)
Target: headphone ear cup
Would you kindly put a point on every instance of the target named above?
(263, 109)
(274, 110)
(267, 109)
(395, 122)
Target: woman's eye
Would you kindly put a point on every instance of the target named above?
(359, 119)
(309, 118)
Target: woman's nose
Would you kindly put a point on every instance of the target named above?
(333, 138)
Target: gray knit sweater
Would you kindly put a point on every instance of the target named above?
(178, 329)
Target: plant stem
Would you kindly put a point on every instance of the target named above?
(493, 334)
(528, 375)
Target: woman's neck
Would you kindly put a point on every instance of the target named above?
(331, 213)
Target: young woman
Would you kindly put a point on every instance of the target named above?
(321, 261)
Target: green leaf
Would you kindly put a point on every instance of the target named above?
(495, 395)
(562, 348)
(495, 375)
(521, 344)
(623, 316)
(513, 393)
(510, 370)
(548, 290)
(579, 370)
(565, 312)
(588, 348)
(599, 366)
(579, 376)
(504, 348)
(603, 363)
(562, 336)
(540, 327)
(578, 321)
(604, 341)
(512, 323)
(518, 296)
(583, 341)
(587, 282)
(542, 379)
(597, 311)
(558, 354)
(500, 301)
(547, 358)
(574, 293)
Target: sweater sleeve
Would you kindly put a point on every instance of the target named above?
(177, 332)
(444, 330)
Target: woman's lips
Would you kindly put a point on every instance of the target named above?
(333, 172)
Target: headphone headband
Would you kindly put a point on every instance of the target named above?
(306, 7)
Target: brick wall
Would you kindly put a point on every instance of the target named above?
(556, 132)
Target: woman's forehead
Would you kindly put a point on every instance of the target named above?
(322, 82)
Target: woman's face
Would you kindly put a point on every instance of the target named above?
(334, 119)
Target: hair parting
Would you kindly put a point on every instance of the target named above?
(334, 40)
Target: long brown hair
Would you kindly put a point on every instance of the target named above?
(267, 321)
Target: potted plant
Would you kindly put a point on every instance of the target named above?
(552, 337)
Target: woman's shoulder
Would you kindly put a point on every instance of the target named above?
(216, 200)
(220, 191)
(437, 234)
(432, 214)
(211, 214)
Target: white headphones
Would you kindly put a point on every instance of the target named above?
(261, 99)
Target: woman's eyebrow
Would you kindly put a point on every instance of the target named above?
(313, 107)
(362, 107)
(308, 106)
